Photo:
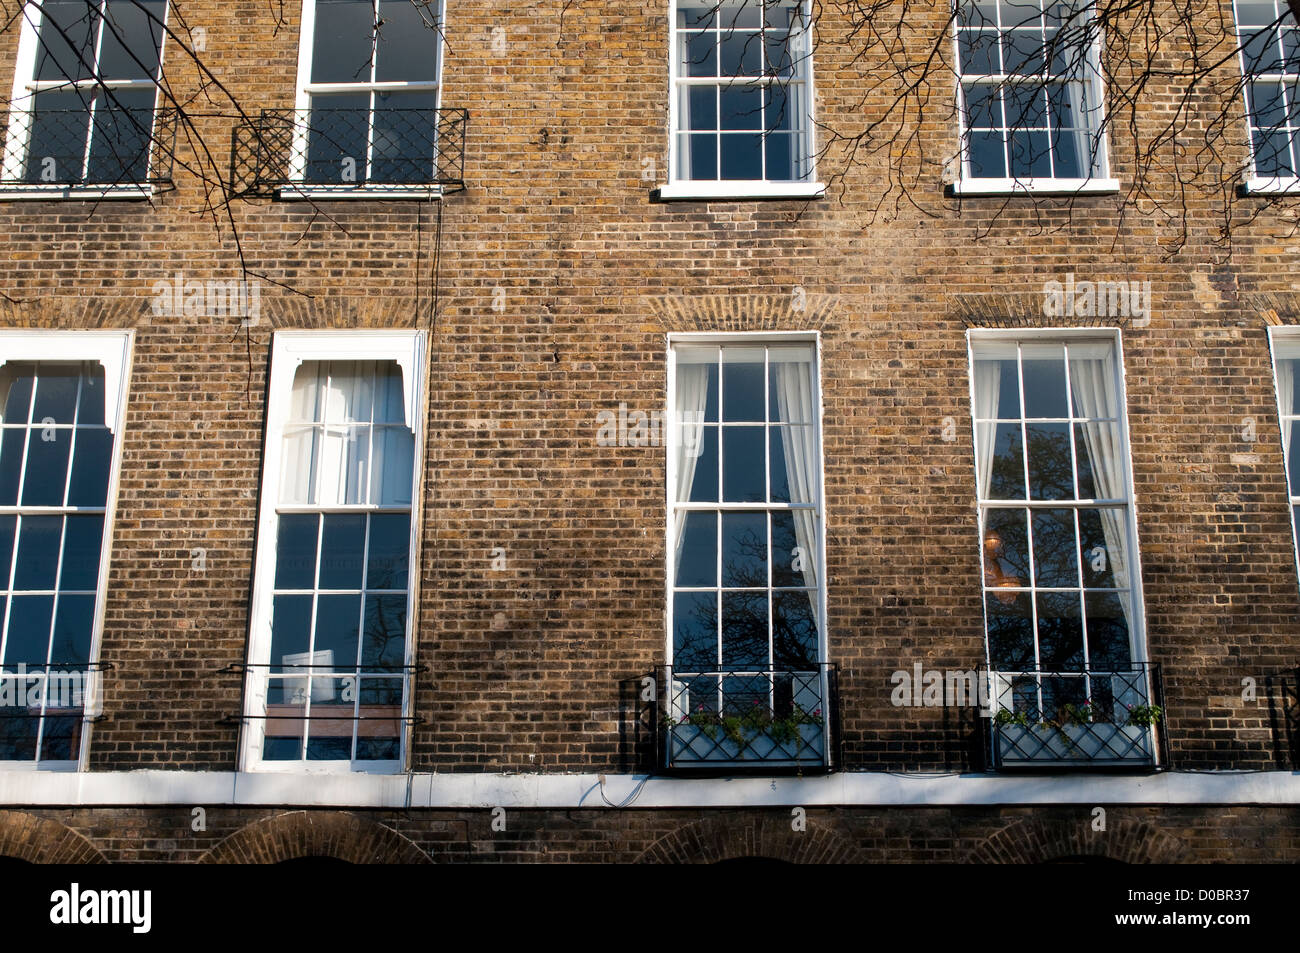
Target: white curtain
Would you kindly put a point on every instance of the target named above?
(988, 391)
(1286, 404)
(1093, 386)
(691, 399)
(340, 445)
(795, 402)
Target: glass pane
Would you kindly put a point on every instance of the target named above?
(28, 641)
(977, 52)
(1108, 634)
(18, 737)
(1051, 469)
(1030, 155)
(695, 631)
(56, 394)
(1255, 12)
(8, 527)
(301, 461)
(67, 47)
(742, 53)
(61, 739)
(1022, 50)
(742, 467)
(742, 385)
(987, 155)
(38, 552)
(794, 630)
(997, 390)
(744, 550)
(72, 629)
(379, 730)
(1007, 479)
(394, 461)
(47, 467)
(121, 132)
(405, 137)
(699, 107)
(408, 42)
(699, 54)
(132, 39)
(697, 556)
(1045, 391)
(1060, 632)
(1011, 631)
(82, 545)
(1026, 106)
(341, 48)
(983, 107)
(744, 630)
(792, 564)
(338, 137)
(704, 480)
(742, 156)
(389, 555)
(742, 107)
(290, 630)
(56, 146)
(17, 381)
(792, 395)
(90, 465)
(779, 157)
(12, 445)
(90, 411)
(384, 639)
(338, 619)
(697, 156)
(295, 556)
(342, 552)
(1099, 561)
(1099, 479)
(1006, 549)
(1056, 561)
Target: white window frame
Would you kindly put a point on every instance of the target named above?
(290, 349)
(1099, 182)
(674, 437)
(1276, 336)
(740, 189)
(113, 351)
(1256, 183)
(23, 96)
(977, 337)
(302, 111)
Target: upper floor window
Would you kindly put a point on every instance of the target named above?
(368, 94)
(333, 602)
(741, 100)
(60, 422)
(1270, 61)
(747, 592)
(1030, 94)
(1286, 363)
(84, 96)
(1061, 592)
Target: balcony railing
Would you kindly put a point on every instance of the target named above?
(103, 148)
(1095, 718)
(320, 151)
(1284, 716)
(761, 721)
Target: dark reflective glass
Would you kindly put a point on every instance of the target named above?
(8, 527)
(90, 465)
(67, 47)
(407, 42)
(695, 631)
(90, 410)
(1007, 481)
(121, 131)
(342, 46)
(1098, 566)
(704, 481)
(1011, 631)
(73, 622)
(295, 557)
(38, 553)
(390, 544)
(56, 145)
(697, 562)
(1056, 561)
(56, 394)
(338, 138)
(383, 641)
(28, 639)
(405, 138)
(342, 551)
(1006, 548)
(742, 156)
(744, 549)
(290, 630)
(82, 545)
(12, 444)
(133, 36)
(1051, 467)
(743, 473)
(1108, 632)
(744, 630)
(338, 620)
(1060, 631)
(47, 466)
(794, 630)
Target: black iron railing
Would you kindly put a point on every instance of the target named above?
(89, 148)
(1283, 690)
(343, 150)
(1096, 718)
(768, 720)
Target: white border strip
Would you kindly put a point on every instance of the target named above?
(572, 791)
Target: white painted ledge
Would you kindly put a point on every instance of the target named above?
(571, 791)
(1287, 185)
(116, 193)
(1036, 187)
(739, 191)
(331, 193)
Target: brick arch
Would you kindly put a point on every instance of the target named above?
(767, 836)
(1034, 841)
(332, 834)
(40, 840)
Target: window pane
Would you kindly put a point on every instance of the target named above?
(742, 384)
(72, 629)
(67, 47)
(698, 156)
(56, 147)
(132, 39)
(341, 48)
(744, 630)
(743, 472)
(987, 155)
(742, 156)
(47, 467)
(389, 554)
(742, 107)
(295, 556)
(744, 550)
(120, 136)
(695, 631)
(82, 545)
(90, 411)
(90, 465)
(697, 555)
(1030, 155)
(1098, 454)
(11, 462)
(28, 641)
(699, 107)
(1007, 478)
(338, 138)
(338, 620)
(290, 630)
(408, 41)
(977, 52)
(38, 552)
(794, 630)
(8, 529)
(405, 137)
(342, 551)
(1051, 468)
(1060, 632)
(384, 640)
(704, 478)
(699, 54)
(1006, 548)
(1103, 556)
(56, 394)
(1056, 561)
(1011, 631)
(394, 466)
(742, 53)
(1108, 631)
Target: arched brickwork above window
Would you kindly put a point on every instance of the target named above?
(40, 840)
(1036, 841)
(332, 834)
(733, 837)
